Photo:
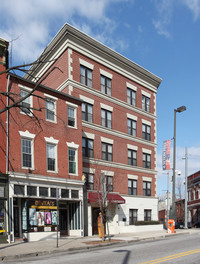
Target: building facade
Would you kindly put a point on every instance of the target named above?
(193, 198)
(118, 125)
(41, 158)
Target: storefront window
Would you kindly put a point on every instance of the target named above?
(2, 217)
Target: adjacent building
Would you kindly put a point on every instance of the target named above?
(119, 143)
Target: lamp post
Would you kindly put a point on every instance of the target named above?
(186, 175)
(178, 110)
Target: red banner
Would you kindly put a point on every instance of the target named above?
(166, 154)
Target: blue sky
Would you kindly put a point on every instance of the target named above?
(163, 36)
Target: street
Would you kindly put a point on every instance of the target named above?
(181, 249)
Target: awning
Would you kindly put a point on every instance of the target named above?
(95, 197)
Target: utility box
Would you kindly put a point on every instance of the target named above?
(171, 226)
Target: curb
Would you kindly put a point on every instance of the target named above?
(89, 247)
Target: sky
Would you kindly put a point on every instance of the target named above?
(162, 36)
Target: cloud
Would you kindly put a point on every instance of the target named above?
(165, 10)
(194, 6)
(33, 23)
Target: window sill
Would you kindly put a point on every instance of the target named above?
(51, 121)
(72, 174)
(49, 171)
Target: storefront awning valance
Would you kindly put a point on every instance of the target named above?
(94, 197)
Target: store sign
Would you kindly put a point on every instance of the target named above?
(44, 205)
(1, 191)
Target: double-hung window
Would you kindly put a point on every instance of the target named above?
(145, 103)
(131, 97)
(87, 147)
(132, 187)
(89, 177)
(147, 160)
(131, 124)
(146, 132)
(109, 183)
(147, 215)
(106, 118)
(86, 76)
(72, 161)
(71, 116)
(50, 110)
(105, 85)
(106, 150)
(27, 152)
(51, 157)
(132, 157)
(146, 188)
(87, 112)
(26, 104)
(132, 216)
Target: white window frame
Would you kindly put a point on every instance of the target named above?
(74, 147)
(54, 100)
(75, 114)
(29, 136)
(28, 90)
(54, 142)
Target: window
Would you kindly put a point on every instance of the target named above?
(106, 118)
(146, 161)
(87, 147)
(64, 193)
(131, 124)
(32, 190)
(87, 112)
(145, 103)
(109, 183)
(106, 150)
(53, 192)
(19, 189)
(89, 180)
(132, 216)
(85, 76)
(147, 215)
(72, 160)
(74, 194)
(71, 116)
(132, 187)
(105, 85)
(132, 157)
(27, 152)
(146, 188)
(146, 132)
(26, 104)
(50, 110)
(43, 191)
(131, 97)
(51, 157)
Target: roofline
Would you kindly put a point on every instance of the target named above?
(45, 87)
(68, 29)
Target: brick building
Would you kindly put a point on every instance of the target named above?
(42, 158)
(193, 198)
(118, 125)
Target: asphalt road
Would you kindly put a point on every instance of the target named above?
(183, 249)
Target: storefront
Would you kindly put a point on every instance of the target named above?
(40, 210)
(3, 207)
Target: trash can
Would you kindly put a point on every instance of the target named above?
(171, 226)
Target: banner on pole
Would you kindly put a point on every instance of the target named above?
(166, 154)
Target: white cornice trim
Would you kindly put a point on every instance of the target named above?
(88, 135)
(107, 140)
(118, 134)
(144, 178)
(146, 94)
(51, 140)
(148, 151)
(132, 177)
(72, 145)
(146, 122)
(119, 165)
(105, 97)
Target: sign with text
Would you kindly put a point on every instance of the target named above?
(166, 154)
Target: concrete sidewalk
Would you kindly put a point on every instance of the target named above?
(22, 249)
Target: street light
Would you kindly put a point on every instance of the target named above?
(178, 110)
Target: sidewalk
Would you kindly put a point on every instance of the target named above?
(22, 249)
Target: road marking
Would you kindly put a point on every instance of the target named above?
(179, 255)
